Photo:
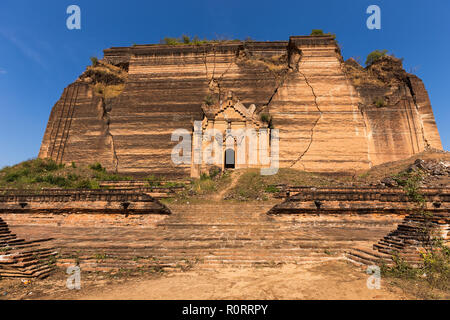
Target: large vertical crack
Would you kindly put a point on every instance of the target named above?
(311, 140)
(219, 80)
(279, 85)
(413, 95)
(214, 62)
(205, 57)
(215, 80)
(107, 120)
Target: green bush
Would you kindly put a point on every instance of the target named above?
(410, 182)
(265, 118)
(374, 56)
(97, 167)
(87, 184)
(28, 170)
(46, 173)
(73, 177)
(105, 176)
(214, 172)
(204, 185)
(171, 41)
(196, 41)
(379, 102)
(436, 267)
(154, 181)
(317, 32)
(12, 176)
(94, 61)
(400, 269)
(58, 181)
(186, 39)
(173, 184)
(209, 100)
(271, 189)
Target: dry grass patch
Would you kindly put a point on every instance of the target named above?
(390, 169)
(277, 64)
(361, 77)
(108, 80)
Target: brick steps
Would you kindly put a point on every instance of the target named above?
(406, 242)
(24, 259)
(368, 256)
(211, 236)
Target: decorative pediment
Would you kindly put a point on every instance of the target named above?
(231, 110)
(230, 114)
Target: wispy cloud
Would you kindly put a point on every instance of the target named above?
(3, 71)
(23, 47)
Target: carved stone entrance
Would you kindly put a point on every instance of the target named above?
(230, 136)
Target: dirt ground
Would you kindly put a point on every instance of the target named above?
(330, 280)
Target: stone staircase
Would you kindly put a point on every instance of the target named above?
(407, 241)
(24, 259)
(213, 235)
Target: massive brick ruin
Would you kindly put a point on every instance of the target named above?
(332, 115)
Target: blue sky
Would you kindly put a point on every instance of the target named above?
(39, 56)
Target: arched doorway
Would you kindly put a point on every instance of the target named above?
(229, 159)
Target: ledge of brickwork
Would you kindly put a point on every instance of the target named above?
(303, 200)
(80, 201)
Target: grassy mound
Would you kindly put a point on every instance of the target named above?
(46, 173)
(253, 186)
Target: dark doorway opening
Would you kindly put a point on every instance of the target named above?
(229, 159)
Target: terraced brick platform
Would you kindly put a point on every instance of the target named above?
(348, 200)
(211, 235)
(77, 201)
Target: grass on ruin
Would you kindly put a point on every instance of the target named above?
(319, 32)
(196, 41)
(46, 173)
(254, 186)
(202, 188)
(157, 181)
(429, 280)
(209, 184)
(374, 56)
(393, 169)
(277, 64)
(109, 91)
(108, 80)
(361, 76)
(433, 271)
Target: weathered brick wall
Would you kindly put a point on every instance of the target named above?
(325, 122)
(359, 201)
(122, 202)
